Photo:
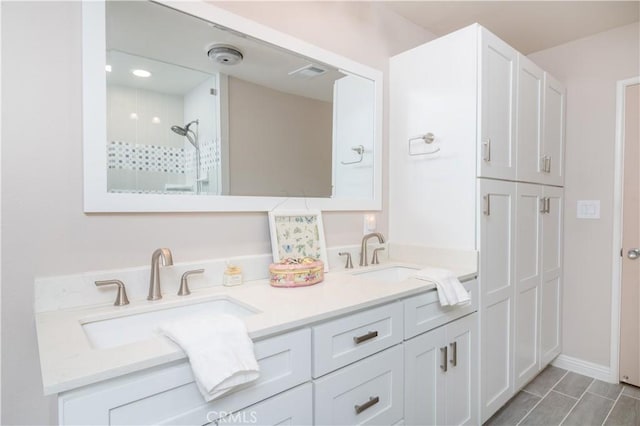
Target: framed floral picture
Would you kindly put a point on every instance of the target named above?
(297, 234)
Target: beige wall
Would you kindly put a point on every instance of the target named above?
(590, 68)
(44, 231)
(279, 143)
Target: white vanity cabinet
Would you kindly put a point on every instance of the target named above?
(363, 384)
(293, 407)
(497, 106)
(497, 295)
(538, 269)
(168, 394)
(540, 125)
(497, 122)
(441, 368)
(441, 360)
(555, 96)
(532, 159)
(367, 392)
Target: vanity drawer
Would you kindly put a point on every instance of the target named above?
(293, 407)
(368, 392)
(168, 395)
(345, 340)
(423, 312)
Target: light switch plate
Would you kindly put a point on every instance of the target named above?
(588, 209)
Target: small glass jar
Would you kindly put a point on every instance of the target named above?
(232, 276)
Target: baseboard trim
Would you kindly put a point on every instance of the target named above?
(586, 368)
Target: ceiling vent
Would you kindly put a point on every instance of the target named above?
(308, 71)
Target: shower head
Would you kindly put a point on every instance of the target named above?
(179, 130)
(188, 133)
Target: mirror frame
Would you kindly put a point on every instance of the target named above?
(96, 197)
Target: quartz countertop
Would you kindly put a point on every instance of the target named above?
(68, 359)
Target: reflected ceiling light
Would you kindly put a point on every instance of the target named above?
(133, 116)
(155, 120)
(141, 73)
(107, 68)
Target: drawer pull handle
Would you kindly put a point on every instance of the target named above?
(370, 403)
(444, 364)
(365, 337)
(454, 353)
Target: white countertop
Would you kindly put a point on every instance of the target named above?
(69, 361)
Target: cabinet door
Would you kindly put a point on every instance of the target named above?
(461, 402)
(424, 364)
(553, 140)
(496, 108)
(497, 230)
(551, 292)
(528, 279)
(529, 121)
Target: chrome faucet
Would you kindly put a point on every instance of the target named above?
(363, 247)
(154, 282)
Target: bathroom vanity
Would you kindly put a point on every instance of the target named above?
(370, 345)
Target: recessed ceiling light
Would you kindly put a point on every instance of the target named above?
(141, 73)
(133, 116)
(107, 68)
(156, 120)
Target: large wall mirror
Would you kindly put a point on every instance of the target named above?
(188, 107)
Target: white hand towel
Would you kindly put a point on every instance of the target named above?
(450, 290)
(219, 350)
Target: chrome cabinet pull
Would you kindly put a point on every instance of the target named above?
(548, 205)
(454, 353)
(445, 358)
(549, 164)
(370, 335)
(543, 205)
(487, 150)
(373, 400)
(487, 205)
(633, 254)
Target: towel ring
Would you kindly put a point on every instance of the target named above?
(427, 138)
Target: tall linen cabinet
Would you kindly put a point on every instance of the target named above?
(476, 162)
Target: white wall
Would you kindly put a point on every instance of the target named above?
(123, 101)
(279, 143)
(590, 68)
(44, 229)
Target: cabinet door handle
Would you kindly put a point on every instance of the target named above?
(548, 164)
(487, 205)
(454, 353)
(487, 150)
(373, 400)
(365, 337)
(548, 209)
(543, 205)
(445, 358)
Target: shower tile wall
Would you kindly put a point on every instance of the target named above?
(138, 126)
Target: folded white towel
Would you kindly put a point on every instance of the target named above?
(219, 350)
(450, 290)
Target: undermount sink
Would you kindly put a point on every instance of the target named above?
(112, 332)
(391, 274)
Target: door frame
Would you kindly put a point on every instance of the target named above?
(616, 282)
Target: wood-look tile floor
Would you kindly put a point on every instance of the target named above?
(559, 397)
